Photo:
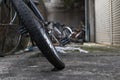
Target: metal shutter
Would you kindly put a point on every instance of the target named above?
(103, 21)
(116, 21)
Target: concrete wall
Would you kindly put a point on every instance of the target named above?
(58, 13)
(92, 20)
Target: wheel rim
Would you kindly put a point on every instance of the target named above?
(9, 37)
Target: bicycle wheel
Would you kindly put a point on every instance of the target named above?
(67, 31)
(37, 32)
(9, 37)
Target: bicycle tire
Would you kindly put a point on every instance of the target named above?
(67, 32)
(9, 45)
(37, 33)
(11, 39)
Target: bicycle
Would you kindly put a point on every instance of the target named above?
(33, 23)
(78, 35)
(59, 32)
(7, 27)
(62, 34)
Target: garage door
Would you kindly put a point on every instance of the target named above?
(103, 21)
(116, 21)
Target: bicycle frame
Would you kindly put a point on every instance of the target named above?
(33, 7)
(39, 15)
(35, 10)
(10, 22)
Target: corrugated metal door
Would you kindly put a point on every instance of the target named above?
(103, 21)
(116, 21)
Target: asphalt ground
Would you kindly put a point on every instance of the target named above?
(98, 64)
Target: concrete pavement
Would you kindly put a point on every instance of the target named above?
(96, 65)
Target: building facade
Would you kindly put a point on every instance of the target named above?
(106, 16)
